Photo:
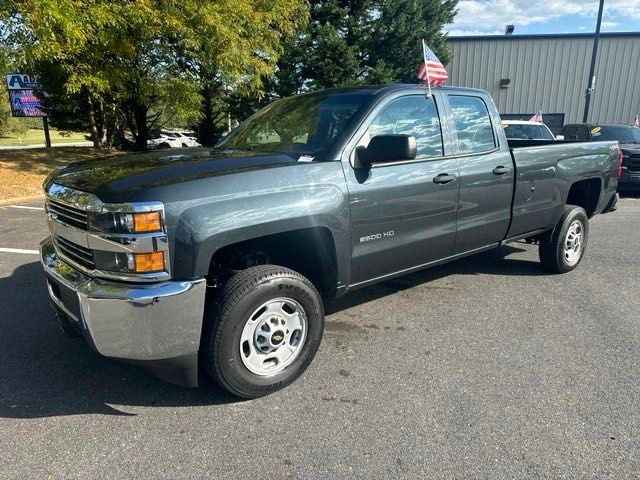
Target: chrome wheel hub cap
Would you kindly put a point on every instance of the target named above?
(273, 336)
(573, 243)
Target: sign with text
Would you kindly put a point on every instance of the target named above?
(20, 81)
(24, 102)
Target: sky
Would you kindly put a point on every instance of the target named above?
(489, 17)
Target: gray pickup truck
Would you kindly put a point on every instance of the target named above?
(222, 258)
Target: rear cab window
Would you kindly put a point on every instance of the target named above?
(410, 115)
(473, 124)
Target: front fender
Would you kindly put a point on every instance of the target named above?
(263, 203)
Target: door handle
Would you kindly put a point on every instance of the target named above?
(501, 170)
(444, 178)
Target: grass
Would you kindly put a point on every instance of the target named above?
(36, 137)
(23, 171)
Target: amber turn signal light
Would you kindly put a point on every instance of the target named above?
(148, 262)
(147, 222)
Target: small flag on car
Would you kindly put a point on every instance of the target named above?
(636, 121)
(537, 117)
(431, 70)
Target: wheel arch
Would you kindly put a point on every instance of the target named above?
(310, 251)
(585, 193)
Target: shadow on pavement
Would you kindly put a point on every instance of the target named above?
(46, 374)
(490, 263)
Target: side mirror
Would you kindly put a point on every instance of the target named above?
(386, 148)
(560, 137)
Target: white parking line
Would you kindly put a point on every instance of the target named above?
(25, 207)
(19, 250)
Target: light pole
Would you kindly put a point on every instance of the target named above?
(591, 82)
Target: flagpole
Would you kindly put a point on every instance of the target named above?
(424, 55)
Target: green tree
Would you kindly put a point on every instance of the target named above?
(350, 42)
(395, 49)
(137, 64)
(231, 47)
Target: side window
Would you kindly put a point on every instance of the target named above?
(412, 115)
(473, 125)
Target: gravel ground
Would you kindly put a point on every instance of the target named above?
(485, 368)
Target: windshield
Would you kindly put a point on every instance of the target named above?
(300, 124)
(621, 133)
(527, 132)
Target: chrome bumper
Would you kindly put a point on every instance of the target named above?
(156, 325)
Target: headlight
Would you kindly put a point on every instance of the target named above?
(147, 222)
(141, 235)
(129, 262)
(120, 222)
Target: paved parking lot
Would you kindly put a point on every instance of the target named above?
(485, 368)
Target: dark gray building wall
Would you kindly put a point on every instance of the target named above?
(549, 73)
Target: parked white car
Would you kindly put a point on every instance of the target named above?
(527, 130)
(172, 139)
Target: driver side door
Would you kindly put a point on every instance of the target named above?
(402, 215)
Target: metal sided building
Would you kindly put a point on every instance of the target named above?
(528, 73)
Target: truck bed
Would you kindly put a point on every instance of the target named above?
(544, 168)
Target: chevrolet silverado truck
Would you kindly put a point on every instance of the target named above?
(220, 260)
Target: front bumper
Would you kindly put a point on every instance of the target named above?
(154, 325)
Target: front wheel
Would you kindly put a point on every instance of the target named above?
(562, 249)
(263, 331)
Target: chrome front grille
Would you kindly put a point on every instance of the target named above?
(78, 254)
(67, 214)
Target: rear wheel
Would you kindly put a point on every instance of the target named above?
(563, 248)
(263, 330)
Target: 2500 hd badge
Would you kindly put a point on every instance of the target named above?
(377, 236)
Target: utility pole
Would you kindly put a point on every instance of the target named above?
(591, 82)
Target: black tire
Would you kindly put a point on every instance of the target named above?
(552, 245)
(164, 146)
(229, 313)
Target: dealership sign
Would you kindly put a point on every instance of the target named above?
(24, 102)
(17, 81)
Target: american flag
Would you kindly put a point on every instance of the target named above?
(537, 117)
(431, 70)
(636, 121)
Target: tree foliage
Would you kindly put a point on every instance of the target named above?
(133, 64)
(116, 66)
(363, 41)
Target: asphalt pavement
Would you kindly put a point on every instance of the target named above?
(485, 368)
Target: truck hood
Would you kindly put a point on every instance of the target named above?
(114, 179)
